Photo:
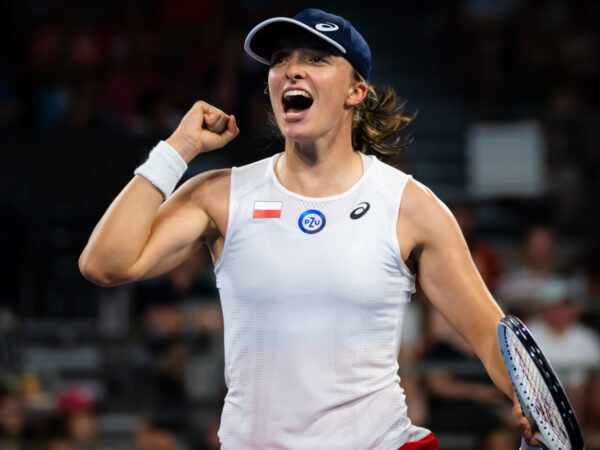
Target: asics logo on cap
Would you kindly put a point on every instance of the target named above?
(327, 26)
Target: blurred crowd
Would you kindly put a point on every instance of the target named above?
(538, 61)
(125, 67)
(143, 368)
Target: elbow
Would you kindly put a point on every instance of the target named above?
(95, 272)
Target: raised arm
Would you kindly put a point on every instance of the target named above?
(139, 236)
(428, 232)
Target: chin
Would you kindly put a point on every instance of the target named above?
(295, 132)
(298, 136)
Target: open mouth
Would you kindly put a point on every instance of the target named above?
(296, 101)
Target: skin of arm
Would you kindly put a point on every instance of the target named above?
(429, 233)
(139, 236)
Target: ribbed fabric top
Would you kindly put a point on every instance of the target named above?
(313, 292)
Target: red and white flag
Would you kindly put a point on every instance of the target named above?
(267, 210)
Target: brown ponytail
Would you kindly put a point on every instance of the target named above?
(376, 120)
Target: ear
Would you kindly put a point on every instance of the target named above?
(357, 93)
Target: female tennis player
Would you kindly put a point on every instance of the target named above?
(316, 250)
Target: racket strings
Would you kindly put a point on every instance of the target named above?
(537, 396)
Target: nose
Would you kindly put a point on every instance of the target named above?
(295, 68)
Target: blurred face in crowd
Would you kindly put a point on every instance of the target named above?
(539, 249)
(312, 88)
(560, 315)
(82, 426)
(12, 416)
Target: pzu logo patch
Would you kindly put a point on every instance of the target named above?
(311, 221)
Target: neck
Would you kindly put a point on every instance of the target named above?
(319, 168)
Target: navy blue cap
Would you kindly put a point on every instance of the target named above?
(333, 29)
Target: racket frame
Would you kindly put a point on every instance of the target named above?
(512, 324)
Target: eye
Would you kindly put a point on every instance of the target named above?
(318, 59)
(277, 59)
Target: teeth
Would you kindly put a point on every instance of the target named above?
(296, 92)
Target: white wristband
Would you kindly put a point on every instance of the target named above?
(163, 168)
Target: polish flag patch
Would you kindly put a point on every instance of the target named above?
(267, 210)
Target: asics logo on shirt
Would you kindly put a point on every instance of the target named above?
(360, 210)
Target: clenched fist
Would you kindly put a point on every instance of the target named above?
(202, 129)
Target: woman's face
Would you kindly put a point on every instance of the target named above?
(311, 88)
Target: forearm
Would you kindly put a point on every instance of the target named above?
(491, 358)
(119, 237)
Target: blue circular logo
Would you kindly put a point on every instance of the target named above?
(311, 221)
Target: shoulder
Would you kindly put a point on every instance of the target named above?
(207, 185)
(387, 176)
(249, 175)
(424, 213)
(215, 185)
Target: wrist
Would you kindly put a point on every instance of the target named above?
(163, 168)
(183, 145)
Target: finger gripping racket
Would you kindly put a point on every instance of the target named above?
(541, 395)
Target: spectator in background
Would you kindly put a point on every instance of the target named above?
(572, 348)
(12, 421)
(520, 287)
(76, 407)
(151, 436)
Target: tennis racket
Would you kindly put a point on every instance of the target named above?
(541, 395)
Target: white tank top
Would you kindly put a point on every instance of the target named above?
(313, 292)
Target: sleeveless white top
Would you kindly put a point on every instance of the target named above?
(313, 292)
